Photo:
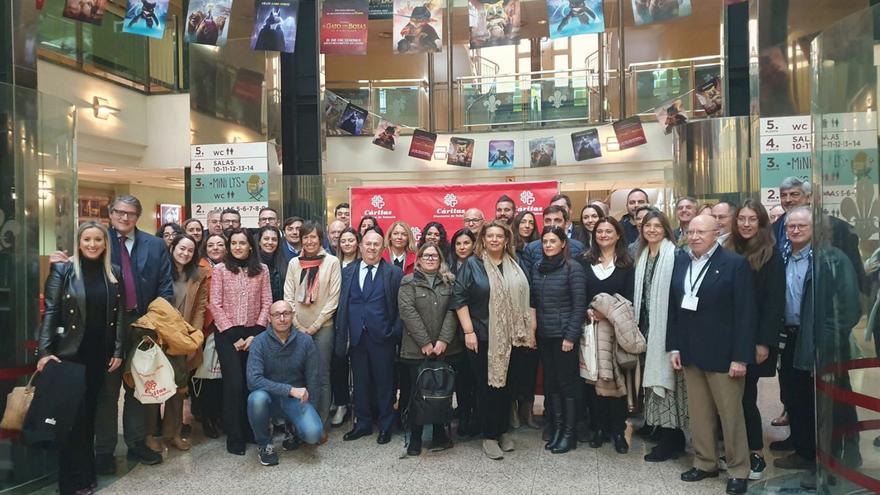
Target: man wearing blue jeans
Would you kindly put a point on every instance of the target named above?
(282, 372)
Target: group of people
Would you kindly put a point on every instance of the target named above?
(309, 323)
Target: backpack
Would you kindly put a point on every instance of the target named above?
(431, 401)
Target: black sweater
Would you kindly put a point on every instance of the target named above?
(621, 281)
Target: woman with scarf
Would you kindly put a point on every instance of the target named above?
(751, 236)
(491, 297)
(665, 393)
(272, 255)
(559, 306)
(312, 288)
(609, 270)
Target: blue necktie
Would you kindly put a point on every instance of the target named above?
(368, 281)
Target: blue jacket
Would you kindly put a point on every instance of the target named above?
(390, 281)
(150, 265)
(534, 253)
(276, 366)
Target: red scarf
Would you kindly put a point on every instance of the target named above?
(308, 292)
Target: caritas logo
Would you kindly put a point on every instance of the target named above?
(451, 201)
(528, 199)
(416, 232)
(378, 202)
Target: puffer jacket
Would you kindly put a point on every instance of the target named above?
(619, 328)
(427, 318)
(166, 326)
(559, 298)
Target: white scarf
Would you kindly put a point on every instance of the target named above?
(509, 315)
(659, 375)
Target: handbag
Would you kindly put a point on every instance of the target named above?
(152, 374)
(588, 355)
(210, 367)
(17, 404)
(625, 360)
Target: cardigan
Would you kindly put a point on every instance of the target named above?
(312, 317)
(238, 300)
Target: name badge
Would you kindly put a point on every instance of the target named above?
(690, 302)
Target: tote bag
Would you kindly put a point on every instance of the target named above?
(152, 374)
(210, 367)
(589, 358)
(17, 404)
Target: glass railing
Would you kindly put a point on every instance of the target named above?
(402, 101)
(144, 64)
(650, 84)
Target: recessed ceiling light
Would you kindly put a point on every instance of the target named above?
(542, 21)
(110, 170)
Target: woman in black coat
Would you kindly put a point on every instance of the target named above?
(559, 305)
(83, 324)
(752, 237)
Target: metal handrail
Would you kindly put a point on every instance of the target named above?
(676, 61)
(525, 74)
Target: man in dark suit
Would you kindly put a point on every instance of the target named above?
(711, 336)
(368, 326)
(634, 199)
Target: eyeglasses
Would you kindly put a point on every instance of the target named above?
(472, 220)
(791, 227)
(282, 314)
(430, 257)
(699, 233)
(124, 214)
(169, 235)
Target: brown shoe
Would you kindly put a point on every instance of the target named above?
(178, 443)
(155, 444)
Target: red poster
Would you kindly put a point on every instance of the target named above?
(344, 27)
(629, 132)
(418, 205)
(422, 145)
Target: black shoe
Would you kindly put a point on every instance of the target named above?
(235, 448)
(415, 445)
(356, 433)
(661, 453)
(694, 474)
(787, 444)
(736, 486)
(439, 439)
(620, 444)
(383, 438)
(757, 465)
(268, 457)
(558, 420)
(568, 439)
(649, 432)
(597, 440)
(209, 429)
(105, 464)
(671, 445)
(291, 441)
(144, 455)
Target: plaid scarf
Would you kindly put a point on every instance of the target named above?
(307, 293)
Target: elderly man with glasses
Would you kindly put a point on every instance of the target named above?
(282, 374)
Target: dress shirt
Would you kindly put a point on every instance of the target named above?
(694, 270)
(362, 274)
(129, 241)
(603, 272)
(795, 275)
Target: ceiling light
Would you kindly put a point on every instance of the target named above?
(110, 170)
(102, 108)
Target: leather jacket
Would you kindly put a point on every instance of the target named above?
(64, 320)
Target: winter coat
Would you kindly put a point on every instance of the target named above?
(559, 299)
(426, 315)
(619, 328)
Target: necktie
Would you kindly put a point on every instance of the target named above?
(398, 262)
(127, 275)
(368, 280)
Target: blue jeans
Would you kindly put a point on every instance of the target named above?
(262, 407)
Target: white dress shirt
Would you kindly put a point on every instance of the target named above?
(692, 278)
(362, 273)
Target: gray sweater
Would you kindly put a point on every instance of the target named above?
(276, 366)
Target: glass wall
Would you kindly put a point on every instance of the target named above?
(846, 254)
(37, 216)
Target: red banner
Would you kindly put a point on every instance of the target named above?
(418, 205)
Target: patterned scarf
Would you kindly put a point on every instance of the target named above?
(307, 293)
(509, 315)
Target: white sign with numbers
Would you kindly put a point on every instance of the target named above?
(229, 176)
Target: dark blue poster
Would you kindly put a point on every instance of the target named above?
(275, 25)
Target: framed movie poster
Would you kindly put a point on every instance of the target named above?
(275, 25)
(146, 18)
(650, 11)
(168, 213)
(91, 11)
(344, 27)
(574, 17)
(586, 145)
(422, 145)
(629, 132)
(386, 134)
(501, 153)
(494, 23)
(542, 152)
(207, 22)
(461, 152)
(418, 26)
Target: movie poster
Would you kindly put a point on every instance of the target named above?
(344, 27)
(418, 26)
(670, 114)
(145, 18)
(207, 22)
(649, 11)
(711, 95)
(422, 145)
(91, 11)
(461, 152)
(542, 152)
(381, 9)
(586, 145)
(494, 24)
(501, 153)
(629, 132)
(573, 17)
(386, 135)
(352, 119)
(275, 25)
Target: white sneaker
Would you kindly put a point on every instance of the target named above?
(339, 416)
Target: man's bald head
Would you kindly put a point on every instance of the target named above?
(702, 234)
(334, 230)
(281, 316)
(473, 219)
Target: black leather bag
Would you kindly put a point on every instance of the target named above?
(431, 401)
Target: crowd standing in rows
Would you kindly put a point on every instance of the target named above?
(309, 325)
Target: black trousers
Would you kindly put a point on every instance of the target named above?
(465, 389)
(493, 403)
(233, 365)
(523, 373)
(561, 375)
(754, 430)
(609, 414)
(207, 398)
(76, 456)
(800, 403)
(339, 384)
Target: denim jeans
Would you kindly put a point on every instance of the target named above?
(262, 407)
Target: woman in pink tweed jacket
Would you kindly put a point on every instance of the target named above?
(240, 300)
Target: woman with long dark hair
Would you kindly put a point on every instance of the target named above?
(240, 299)
(272, 255)
(460, 249)
(369, 222)
(525, 230)
(194, 228)
(84, 297)
(751, 235)
(524, 367)
(609, 269)
(591, 214)
(435, 232)
(349, 242)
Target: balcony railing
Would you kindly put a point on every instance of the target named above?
(651, 84)
(402, 101)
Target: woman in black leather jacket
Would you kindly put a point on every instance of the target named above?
(83, 324)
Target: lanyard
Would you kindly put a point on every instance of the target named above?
(699, 277)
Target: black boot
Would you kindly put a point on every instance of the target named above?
(668, 447)
(556, 401)
(569, 431)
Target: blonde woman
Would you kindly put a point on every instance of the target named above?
(83, 299)
(400, 247)
(312, 288)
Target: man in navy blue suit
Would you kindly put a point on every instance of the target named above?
(368, 326)
(711, 336)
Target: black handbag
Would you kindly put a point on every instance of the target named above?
(432, 390)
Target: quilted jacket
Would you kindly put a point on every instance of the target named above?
(619, 328)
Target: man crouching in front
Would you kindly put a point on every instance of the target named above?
(282, 372)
